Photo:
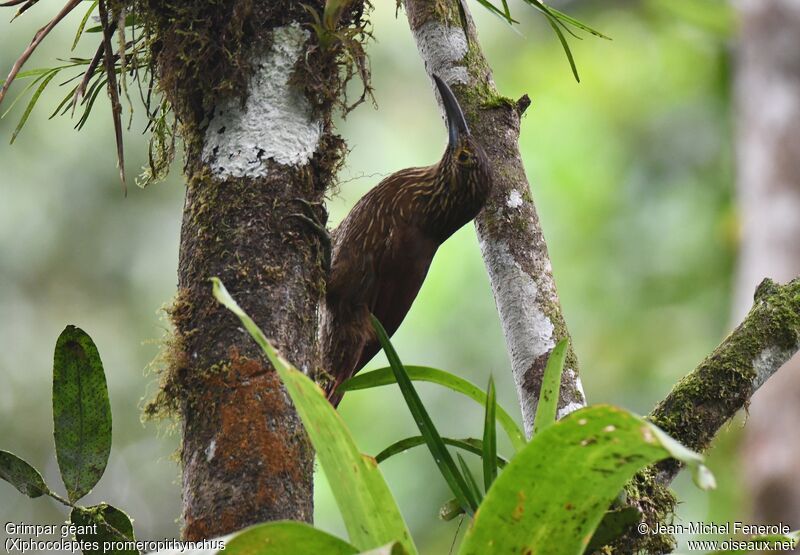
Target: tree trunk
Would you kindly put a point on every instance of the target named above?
(767, 107)
(242, 78)
(510, 234)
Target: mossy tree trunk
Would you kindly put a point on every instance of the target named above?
(244, 78)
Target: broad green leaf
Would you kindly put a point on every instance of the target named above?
(553, 494)
(81, 412)
(469, 444)
(368, 509)
(385, 376)
(614, 524)
(104, 527)
(286, 538)
(547, 407)
(489, 454)
(441, 456)
(21, 475)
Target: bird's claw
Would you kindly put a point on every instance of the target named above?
(313, 222)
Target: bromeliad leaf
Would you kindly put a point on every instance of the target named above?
(286, 538)
(547, 407)
(21, 475)
(81, 412)
(469, 444)
(553, 494)
(489, 454)
(385, 376)
(447, 466)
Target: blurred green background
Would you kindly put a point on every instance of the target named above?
(630, 170)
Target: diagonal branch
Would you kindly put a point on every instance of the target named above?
(702, 402)
(509, 231)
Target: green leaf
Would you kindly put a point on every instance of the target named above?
(469, 444)
(385, 376)
(489, 454)
(614, 524)
(34, 99)
(565, 45)
(82, 24)
(553, 494)
(468, 476)
(433, 440)
(286, 538)
(450, 510)
(368, 509)
(21, 475)
(103, 527)
(701, 475)
(547, 407)
(81, 412)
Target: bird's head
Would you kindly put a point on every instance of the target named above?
(465, 154)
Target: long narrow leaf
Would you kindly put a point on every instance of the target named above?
(547, 407)
(368, 508)
(28, 109)
(565, 46)
(441, 455)
(385, 376)
(82, 24)
(490, 437)
(471, 481)
(470, 444)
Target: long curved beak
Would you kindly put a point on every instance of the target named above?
(456, 124)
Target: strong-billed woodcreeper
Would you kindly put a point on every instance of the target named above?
(382, 250)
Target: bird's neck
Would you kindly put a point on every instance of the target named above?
(451, 202)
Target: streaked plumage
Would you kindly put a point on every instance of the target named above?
(382, 250)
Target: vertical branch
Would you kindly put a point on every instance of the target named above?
(510, 234)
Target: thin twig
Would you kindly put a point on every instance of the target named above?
(116, 107)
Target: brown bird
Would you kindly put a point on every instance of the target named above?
(382, 250)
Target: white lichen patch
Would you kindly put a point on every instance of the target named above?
(275, 122)
(444, 49)
(768, 362)
(514, 199)
(211, 450)
(570, 408)
(527, 329)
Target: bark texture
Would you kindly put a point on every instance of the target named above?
(509, 231)
(237, 75)
(767, 108)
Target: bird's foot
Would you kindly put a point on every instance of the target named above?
(313, 222)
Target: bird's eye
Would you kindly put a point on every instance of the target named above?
(463, 156)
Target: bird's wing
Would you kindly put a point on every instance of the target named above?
(403, 267)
